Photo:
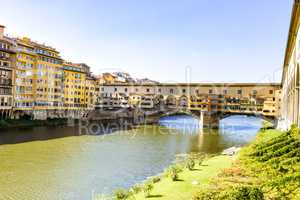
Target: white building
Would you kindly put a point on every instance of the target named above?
(291, 75)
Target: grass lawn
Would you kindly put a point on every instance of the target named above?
(166, 189)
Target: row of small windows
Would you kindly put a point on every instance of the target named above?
(56, 104)
(30, 104)
(54, 90)
(26, 57)
(5, 74)
(72, 68)
(4, 64)
(5, 101)
(210, 91)
(4, 45)
(41, 51)
(50, 60)
(5, 91)
(4, 55)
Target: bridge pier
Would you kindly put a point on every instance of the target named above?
(207, 119)
(211, 120)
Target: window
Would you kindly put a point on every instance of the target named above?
(148, 90)
(125, 90)
(116, 89)
(159, 89)
(183, 90)
(271, 92)
(210, 91)
(224, 91)
(239, 92)
(171, 91)
(254, 92)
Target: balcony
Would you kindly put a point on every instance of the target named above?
(7, 50)
(3, 57)
(5, 82)
(5, 64)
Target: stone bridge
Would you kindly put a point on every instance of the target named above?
(213, 101)
(206, 119)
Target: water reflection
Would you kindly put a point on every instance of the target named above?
(233, 131)
(75, 168)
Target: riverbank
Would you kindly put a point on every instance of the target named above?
(268, 168)
(189, 181)
(23, 123)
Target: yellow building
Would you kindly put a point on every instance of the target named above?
(48, 78)
(35, 81)
(79, 87)
(24, 75)
(135, 99)
(109, 78)
(269, 106)
(198, 103)
(38, 79)
(90, 92)
(74, 86)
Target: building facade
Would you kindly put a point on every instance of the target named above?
(290, 113)
(74, 86)
(25, 85)
(239, 97)
(38, 79)
(90, 92)
(7, 67)
(79, 87)
(36, 83)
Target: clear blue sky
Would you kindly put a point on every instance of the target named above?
(220, 41)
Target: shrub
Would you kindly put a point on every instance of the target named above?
(233, 171)
(190, 164)
(205, 195)
(266, 125)
(237, 193)
(121, 194)
(148, 187)
(294, 130)
(174, 175)
(173, 172)
(136, 189)
(155, 179)
(245, 193)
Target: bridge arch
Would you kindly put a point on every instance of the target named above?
(268, 119)
(181, 112)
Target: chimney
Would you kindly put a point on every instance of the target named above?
(2, 31)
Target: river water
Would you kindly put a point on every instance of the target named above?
(55, 163)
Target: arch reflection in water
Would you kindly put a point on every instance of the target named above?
(233, 131)
(183, 123)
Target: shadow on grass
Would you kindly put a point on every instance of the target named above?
(179, 180)
(204, 165)
(155, 196)
(195, 169)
